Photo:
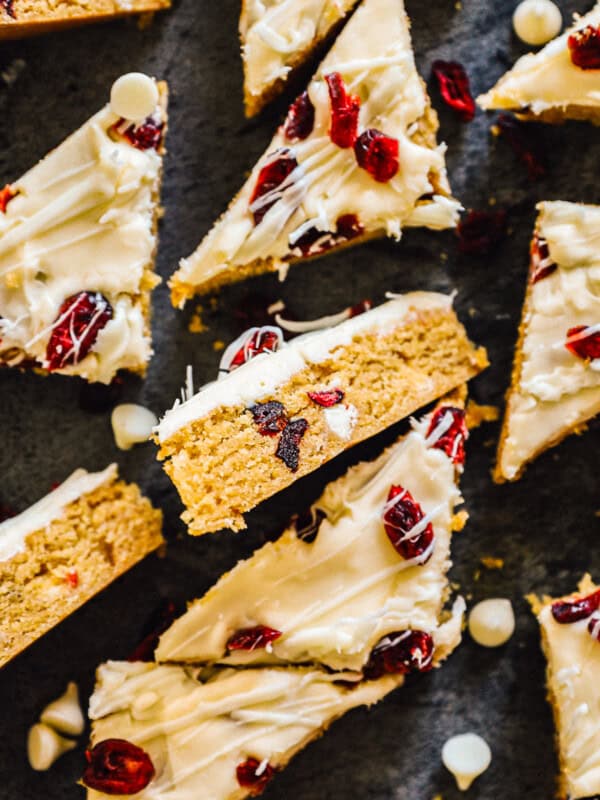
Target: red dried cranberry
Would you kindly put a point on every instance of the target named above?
(401, 653)
(448, 432)
(454, 88)
(256, 638)
(270, 417)
(162, 619)
(145, 136)
(6, 195)
(360, 308)
(314, 241)
(8, 6)
(584, 47)
(251, 343)
(401, 516)
(288, 449)
(327, 398)
(80, 319)
(72, 578)
(479, 231)
(344, 111)
(584, 341)
(594, 626)
(248, 778)
(526, 144)
(568, 611)
(541, 263)
(116, 766)
(307, 525)
(280, 165)
(300, 120)
(378, 154)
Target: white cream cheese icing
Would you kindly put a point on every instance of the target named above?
(556, 389)
(548, 79)
(335, 598)
(198, 733)
(277, 34)
(15, 530)
(264, 373)
(374, 56)
(82, 220)
(573, 668)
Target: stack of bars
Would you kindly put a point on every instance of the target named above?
(333, 615)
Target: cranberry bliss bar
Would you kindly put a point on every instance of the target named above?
(283, 414)
(66, 548)
(77, 246)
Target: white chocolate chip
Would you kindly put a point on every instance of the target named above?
(492, 622)
(341, 420)
(45, 745)
(132, 424)
(64, 714)
(134, 96)
(537, 21)
(466, 756)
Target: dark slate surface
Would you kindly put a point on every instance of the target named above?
(544, 527)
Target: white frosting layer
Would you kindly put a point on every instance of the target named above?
(374, 56)
(556, 389)
(197, 734)
(82, 220)
(573, 669)
(262, 375)
(277, 34)
(335, 598)
(548, 79)
(14, 531)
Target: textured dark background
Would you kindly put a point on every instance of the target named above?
(544, 526)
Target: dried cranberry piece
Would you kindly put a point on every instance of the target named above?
(584, 341)
(116, 766)
(8, 6)
(448, 432)
(526, 145)
(327, 398)
(251, 343)
(594, 626)
(401, 653)
(288, 449)
(344, 111)
(80, 319)
(479, 231)
(307, 525)
(377, 154)
(360, 308)
(72, 579)
(402, 515)
(347, 227)
(247, 776)
(147, 135)
(541, 263)
(280, 165)
(6, 195)
(568, 611)
(162, 619)
(270, 417)
(256, 638)
(300, 120)
(584, 47)
(454, 88)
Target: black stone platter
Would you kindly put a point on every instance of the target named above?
(545, 527)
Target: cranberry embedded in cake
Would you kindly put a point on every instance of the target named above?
(344, 111)
(271, 182)
(300, 120)
(116, 766)
(288, 449)
(377, 154)
(327, 397)
(401, 653)
(568, 611)
(541, 264)
(257, 638)
(6, 195)
(584, 341)
(254, 775)
(270, 417)
(448, 432)
(584, 47)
